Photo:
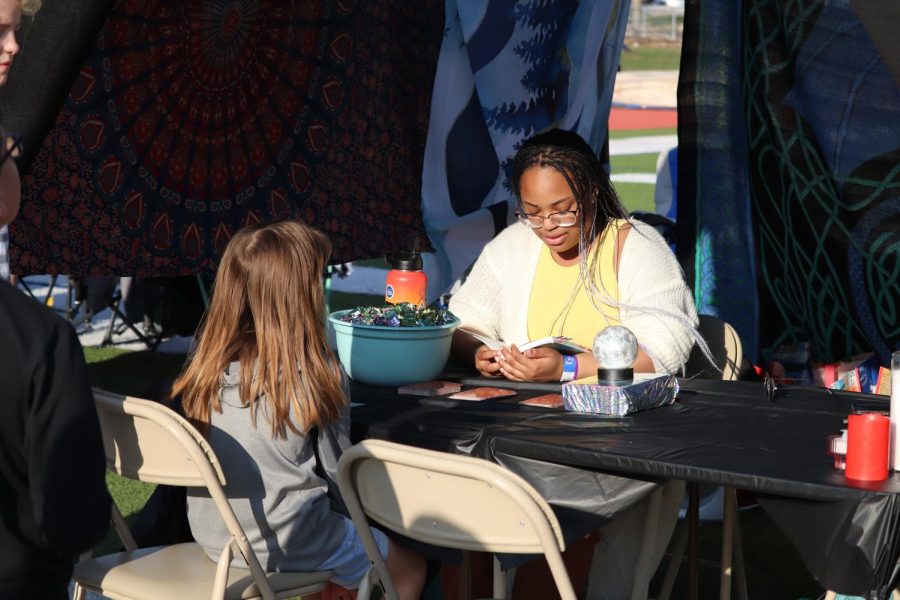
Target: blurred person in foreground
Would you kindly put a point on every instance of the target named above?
(9, 47)
(53, 499)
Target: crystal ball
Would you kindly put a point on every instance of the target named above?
(615, 347)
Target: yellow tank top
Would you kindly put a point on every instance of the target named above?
(551, 308)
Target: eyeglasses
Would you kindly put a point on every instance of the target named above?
(565, 218)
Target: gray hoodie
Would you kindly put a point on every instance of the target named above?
(277, 488)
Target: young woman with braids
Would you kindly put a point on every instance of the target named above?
(572, 265)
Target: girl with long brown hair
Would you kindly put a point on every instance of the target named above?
(272, 400)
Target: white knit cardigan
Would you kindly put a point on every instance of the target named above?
(655, 303)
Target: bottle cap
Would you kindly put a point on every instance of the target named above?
(404, 261)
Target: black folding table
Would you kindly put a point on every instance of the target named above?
(726, 433)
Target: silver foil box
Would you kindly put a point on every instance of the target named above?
(620, 401)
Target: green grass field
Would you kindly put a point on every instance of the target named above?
(646, 58)
(632, 133)
(635, 196)
(634, 163)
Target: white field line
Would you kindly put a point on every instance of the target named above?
(634, 178)
(652, 144)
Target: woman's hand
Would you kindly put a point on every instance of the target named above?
(486, 361)
(535, 364)
(468, 349)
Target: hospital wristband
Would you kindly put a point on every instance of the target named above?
(570, 368)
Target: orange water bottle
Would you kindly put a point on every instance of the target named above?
(406, 282)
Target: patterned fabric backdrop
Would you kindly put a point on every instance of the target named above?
(508, 70)
(815, 129)
(188, 120)
(715, 231)
(823, 112)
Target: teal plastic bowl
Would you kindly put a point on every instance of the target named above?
(391, 355)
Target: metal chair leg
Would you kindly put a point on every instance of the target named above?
(675, 560)
(48, 300)
(727, 544)
(740, 573)
(731, 566)
(78, 593)
(369, 581)
(693, 517)
(642, 572)
(499, 579)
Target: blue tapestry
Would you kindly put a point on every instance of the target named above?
(789, 115)
(715, 235)
(506, 71)
(823, 112)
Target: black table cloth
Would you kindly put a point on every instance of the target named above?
(717, 432)
(582, 498)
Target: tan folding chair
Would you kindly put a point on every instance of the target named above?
(451, 501)
(728, 353)
(724, 345)
(146, 441)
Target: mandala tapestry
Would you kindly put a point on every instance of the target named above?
(189, 120)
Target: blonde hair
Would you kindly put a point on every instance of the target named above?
(30, 7)
(268, 313)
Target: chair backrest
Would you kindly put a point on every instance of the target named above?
(450, 500)
(147, 441)
(724, 345)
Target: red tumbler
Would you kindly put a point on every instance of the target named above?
(867, 446)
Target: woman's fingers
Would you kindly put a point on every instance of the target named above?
(512, 373)
(538, 364)
(514, 365)
(486, 363)
(488, 368)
